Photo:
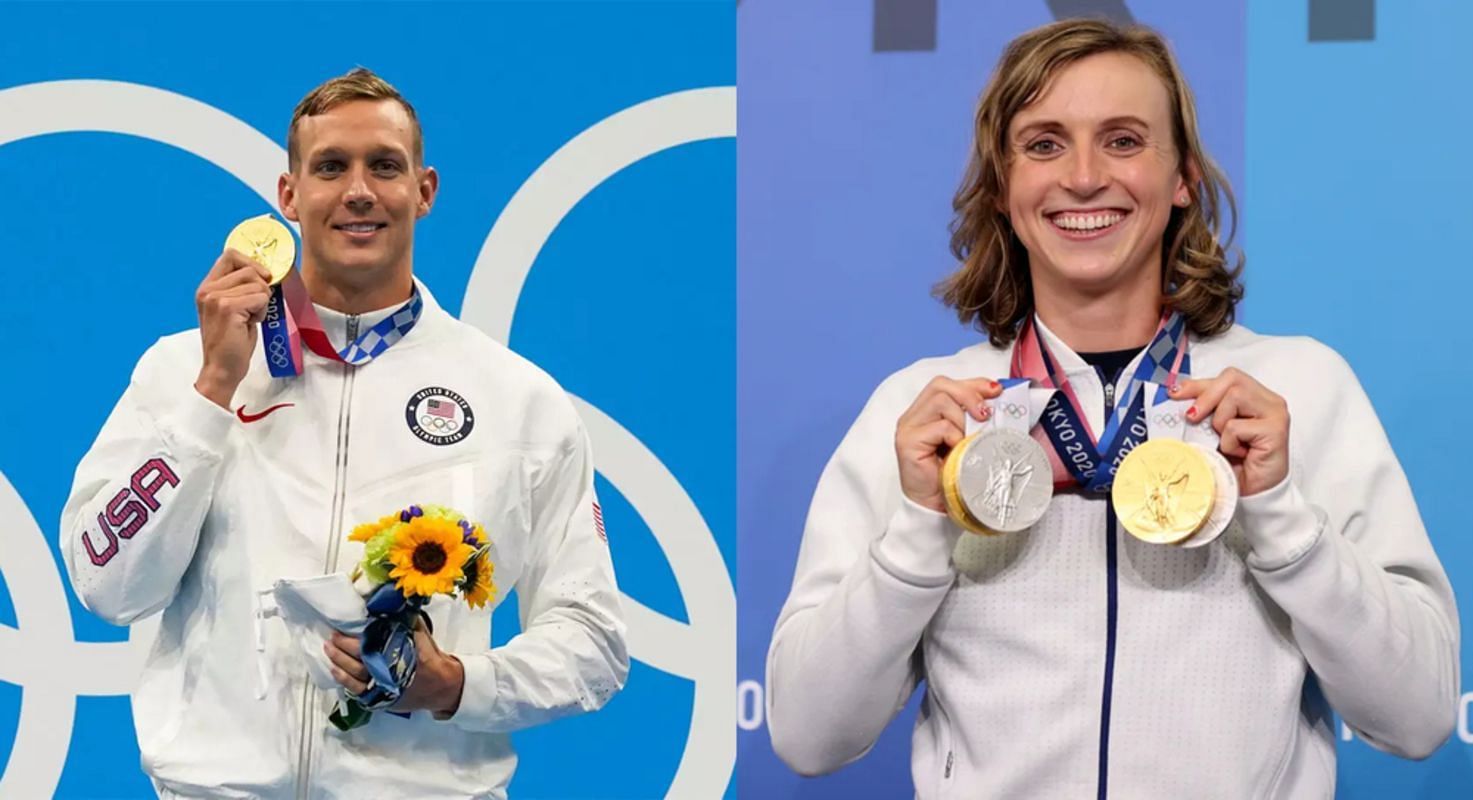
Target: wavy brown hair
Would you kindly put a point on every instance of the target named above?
(992, 289)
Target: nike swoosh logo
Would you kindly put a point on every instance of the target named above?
(244, 417)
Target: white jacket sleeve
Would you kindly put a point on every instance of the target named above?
(1342, 550)
(140, 494)
(872, 571)
(570, 656)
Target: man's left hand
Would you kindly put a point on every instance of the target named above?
(1252, 421)
(437, 681)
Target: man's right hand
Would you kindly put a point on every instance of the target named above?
(231, 303)
(935, 420)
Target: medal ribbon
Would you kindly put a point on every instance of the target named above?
(1077, 455)
(292, 321)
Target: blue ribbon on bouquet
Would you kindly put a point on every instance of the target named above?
(387, 650)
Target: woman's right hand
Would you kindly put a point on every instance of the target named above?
(937, 420)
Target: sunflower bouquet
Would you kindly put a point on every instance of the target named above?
(408, 558)
(424, 551)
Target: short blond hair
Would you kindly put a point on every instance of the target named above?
(359, 84)
(992, 289)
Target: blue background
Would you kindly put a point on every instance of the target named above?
(1348, 161)
(105, 237)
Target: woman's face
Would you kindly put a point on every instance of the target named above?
(1093, 175)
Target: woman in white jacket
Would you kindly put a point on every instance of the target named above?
(1072, 659)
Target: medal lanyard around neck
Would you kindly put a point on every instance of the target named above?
(291, 321)
(1078, 457)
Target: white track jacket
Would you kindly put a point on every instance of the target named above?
(1074, 661)
(184, 508)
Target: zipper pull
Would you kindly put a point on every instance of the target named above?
(949, 756)
(1110, 396)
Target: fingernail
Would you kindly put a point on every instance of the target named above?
(1174, 388)
(1192, 412)
(986, 412)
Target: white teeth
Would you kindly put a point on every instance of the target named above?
(360, 228)
(1086, 222)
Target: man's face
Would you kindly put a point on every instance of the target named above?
(1094, 174)
(356, 191)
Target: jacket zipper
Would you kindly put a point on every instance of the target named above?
(1111, 613)
(330, 562)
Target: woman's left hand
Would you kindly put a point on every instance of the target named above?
(1252, 421)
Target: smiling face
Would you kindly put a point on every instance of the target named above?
(356, 190)
(1093, 175)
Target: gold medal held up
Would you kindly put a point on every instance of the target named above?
(266, 242)
(1164, 491)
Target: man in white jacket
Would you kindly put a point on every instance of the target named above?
(1072, 660)
(212, 479)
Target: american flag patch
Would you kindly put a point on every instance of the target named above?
(598, 522)
(441, 408)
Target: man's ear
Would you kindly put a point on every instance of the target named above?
(429, 186)
(286, 196)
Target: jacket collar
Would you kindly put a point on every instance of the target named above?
(1069, 362)
(336, 322)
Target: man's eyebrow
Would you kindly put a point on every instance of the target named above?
(377, 151)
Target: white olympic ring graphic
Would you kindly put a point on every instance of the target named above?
(58, 669)
(1015, 410)
(439, 423)
(277, 350)
(1171, 419)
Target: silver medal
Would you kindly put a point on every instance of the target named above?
(1225, 503)
(1005, 480)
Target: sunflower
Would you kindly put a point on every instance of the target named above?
(479, 589)
(428, 557)
(368, 530)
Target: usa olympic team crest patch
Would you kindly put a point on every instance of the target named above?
(439, 416)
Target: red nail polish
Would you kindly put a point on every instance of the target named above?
(1192, 412)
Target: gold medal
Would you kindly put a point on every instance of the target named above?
(950, 490)
(266, 242)
(1164, 491)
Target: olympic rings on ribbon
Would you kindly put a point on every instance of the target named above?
(276, 350)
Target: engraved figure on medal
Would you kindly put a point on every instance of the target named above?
(263, 251)
(1162, 499)
(1005, 480)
